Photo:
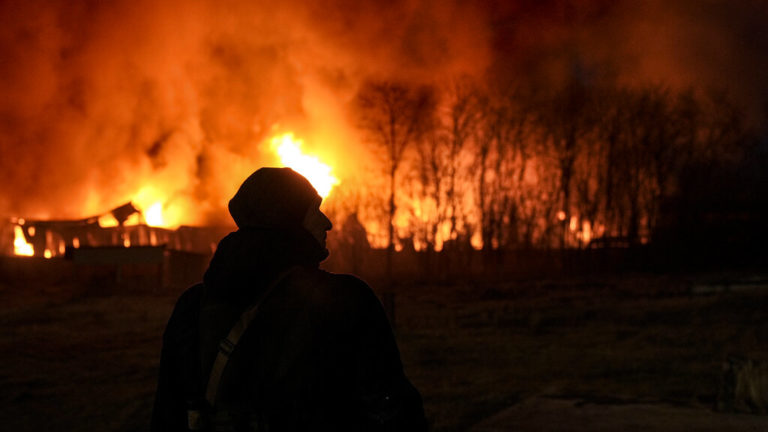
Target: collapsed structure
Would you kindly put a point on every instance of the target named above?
(118, 245)
(59, 238)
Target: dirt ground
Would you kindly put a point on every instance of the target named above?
(576, 415)
(486, 357)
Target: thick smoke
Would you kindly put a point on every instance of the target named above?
(102, 100)
(710, 45)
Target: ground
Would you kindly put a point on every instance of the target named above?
(519, 355)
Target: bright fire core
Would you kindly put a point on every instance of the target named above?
(318, 173)
(20, 244)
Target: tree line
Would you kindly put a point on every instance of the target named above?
(501, 167)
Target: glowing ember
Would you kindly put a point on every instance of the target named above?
(318, 173)
(20, 245)
(48, 254)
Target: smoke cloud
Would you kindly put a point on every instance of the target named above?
(102, 101)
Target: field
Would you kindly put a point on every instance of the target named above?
(80, 359)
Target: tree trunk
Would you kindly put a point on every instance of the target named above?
(391, 240)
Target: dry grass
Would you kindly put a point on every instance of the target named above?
(475, 351)
(80, 364)
(73, 360)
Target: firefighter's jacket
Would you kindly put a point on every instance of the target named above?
(319, 355)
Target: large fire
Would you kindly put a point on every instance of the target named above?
(156, 209)
(456, 123)
(317, 172)
(154, 205)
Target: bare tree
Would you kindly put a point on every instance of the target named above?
(503, 153)
(565, 117)
(461, 118)
(431, 163)
(393, 116)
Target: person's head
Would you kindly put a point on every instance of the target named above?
(279, 198)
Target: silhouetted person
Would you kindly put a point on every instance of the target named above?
(354, 243)
(318, 354)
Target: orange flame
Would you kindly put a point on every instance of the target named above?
(20, 245)
(154, 215)
(156, 208)
(317, 172)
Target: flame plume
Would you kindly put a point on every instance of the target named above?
(317, 172)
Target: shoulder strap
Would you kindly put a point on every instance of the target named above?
(227, 345)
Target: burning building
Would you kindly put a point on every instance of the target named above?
(502, 125)
(55, 238)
